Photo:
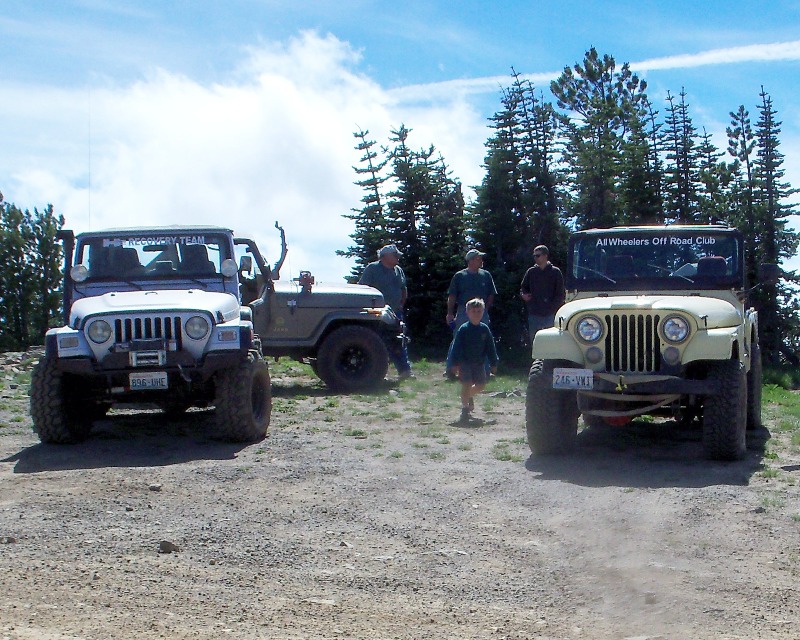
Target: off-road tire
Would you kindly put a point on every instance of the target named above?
(56, 411)
(352, 358)
(725, 414)
(551, 417)
(754, 389)
(243, 401)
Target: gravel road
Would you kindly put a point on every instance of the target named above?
(377, 517)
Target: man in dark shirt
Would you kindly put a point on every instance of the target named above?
(542, 290)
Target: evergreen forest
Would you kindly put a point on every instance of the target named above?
(594, 152)
(591, 151)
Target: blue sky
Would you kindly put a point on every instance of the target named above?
(123, 112)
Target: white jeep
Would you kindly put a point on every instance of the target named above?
(152, 317)
(657, 321)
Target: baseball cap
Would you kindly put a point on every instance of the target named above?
(389, 249)
(473, 253)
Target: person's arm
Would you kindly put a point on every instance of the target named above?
(404, 289)
(492, 351)
(492, 293)
(455, 352)
(560, 292)
(451, 308)
(525, 287)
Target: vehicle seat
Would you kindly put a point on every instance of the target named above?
(194, 260)
(125, 261)
(99, 262)
(620, 267)
(712, 267)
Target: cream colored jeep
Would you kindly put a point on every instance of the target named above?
(657, 321)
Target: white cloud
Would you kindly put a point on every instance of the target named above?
(272, 142)
(730, 55)
(276, 143)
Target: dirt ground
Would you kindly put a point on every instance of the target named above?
(377, 517)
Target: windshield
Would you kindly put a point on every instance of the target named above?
(127, 257)
(655, 259)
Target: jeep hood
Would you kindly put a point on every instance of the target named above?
(338, 296)
(717, 313)
(216, 303)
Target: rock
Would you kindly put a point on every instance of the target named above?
(165, 546)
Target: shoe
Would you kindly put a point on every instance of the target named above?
(464, 414)
(450, 375)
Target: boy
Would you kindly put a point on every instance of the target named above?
(472, 346)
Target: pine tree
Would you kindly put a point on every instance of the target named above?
(681, 170)
(517, 204)
(30, 276)
(777, 242)
(715, 177)
(606, 101)
(639, 177)
(741, 144)
(370, 223)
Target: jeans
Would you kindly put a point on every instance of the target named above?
(398, 352)
(539, 322)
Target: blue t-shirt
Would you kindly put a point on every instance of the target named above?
(390, 282)
(467, 285)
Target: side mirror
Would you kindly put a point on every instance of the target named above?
(246, 264)
(768, 274)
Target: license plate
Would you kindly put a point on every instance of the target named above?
(147, 380)
(573, 378)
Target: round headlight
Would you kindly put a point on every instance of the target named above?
(675, 328)
(99, 331)
(79, 273)
(590, 329)
(197, 327)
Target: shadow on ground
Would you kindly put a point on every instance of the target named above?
(647, 455)
(132, 439)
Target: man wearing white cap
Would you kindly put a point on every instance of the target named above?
(388, 277)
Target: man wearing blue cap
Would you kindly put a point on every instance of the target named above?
(387, 276)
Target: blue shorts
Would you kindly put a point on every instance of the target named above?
(472, 372)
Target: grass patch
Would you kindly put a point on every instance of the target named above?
(430, 432)
(396, 454)
(436, 455)
(773, 501)
(355, 433)
(502, 452)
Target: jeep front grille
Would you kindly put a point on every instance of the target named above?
(632, 343)
(147, 327)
